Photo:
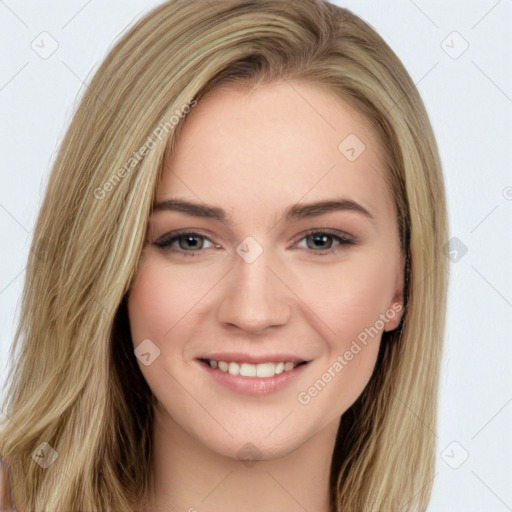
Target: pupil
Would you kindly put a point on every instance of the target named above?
(190, 242)
(320, 241)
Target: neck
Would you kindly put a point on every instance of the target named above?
(188, 476)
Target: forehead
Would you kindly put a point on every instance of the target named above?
(277, 145)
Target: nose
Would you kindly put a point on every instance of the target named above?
(254, 298)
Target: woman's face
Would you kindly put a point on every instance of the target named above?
(273, 251)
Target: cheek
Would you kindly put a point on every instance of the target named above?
(151, 307)
(163, 307)
(347, 306)
(350, 298)
(164, 296)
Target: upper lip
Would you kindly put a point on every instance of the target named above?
(237, 357)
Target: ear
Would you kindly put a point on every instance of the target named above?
(395, 311)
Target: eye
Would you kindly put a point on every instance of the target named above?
(322, 241)
(184, 241)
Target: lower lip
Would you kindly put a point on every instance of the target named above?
(254, 386)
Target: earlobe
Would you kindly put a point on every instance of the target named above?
(394, 315)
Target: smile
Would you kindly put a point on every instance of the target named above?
(263, 370)
(253, 375)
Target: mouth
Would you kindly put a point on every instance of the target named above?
(253, 376)
(264, 370)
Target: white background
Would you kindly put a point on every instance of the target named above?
(469, 100)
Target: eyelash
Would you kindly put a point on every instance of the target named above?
(341, 238)
(165, 242)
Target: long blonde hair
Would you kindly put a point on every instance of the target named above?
(74, 383)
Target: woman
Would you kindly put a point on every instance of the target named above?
(244, 298)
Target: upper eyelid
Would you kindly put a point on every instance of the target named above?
(179, 233)
(327, 231)
(336, 233)
(182, 232)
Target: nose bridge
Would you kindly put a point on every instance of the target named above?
(254, 298)
(254, 279)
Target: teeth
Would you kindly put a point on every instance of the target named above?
(252, 370)
(266, 370)
(222, 365)
(234, 369)
(248, 370)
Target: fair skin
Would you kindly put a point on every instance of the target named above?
(226, 442)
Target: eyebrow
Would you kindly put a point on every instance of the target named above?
(295, 212)
(190, 208)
